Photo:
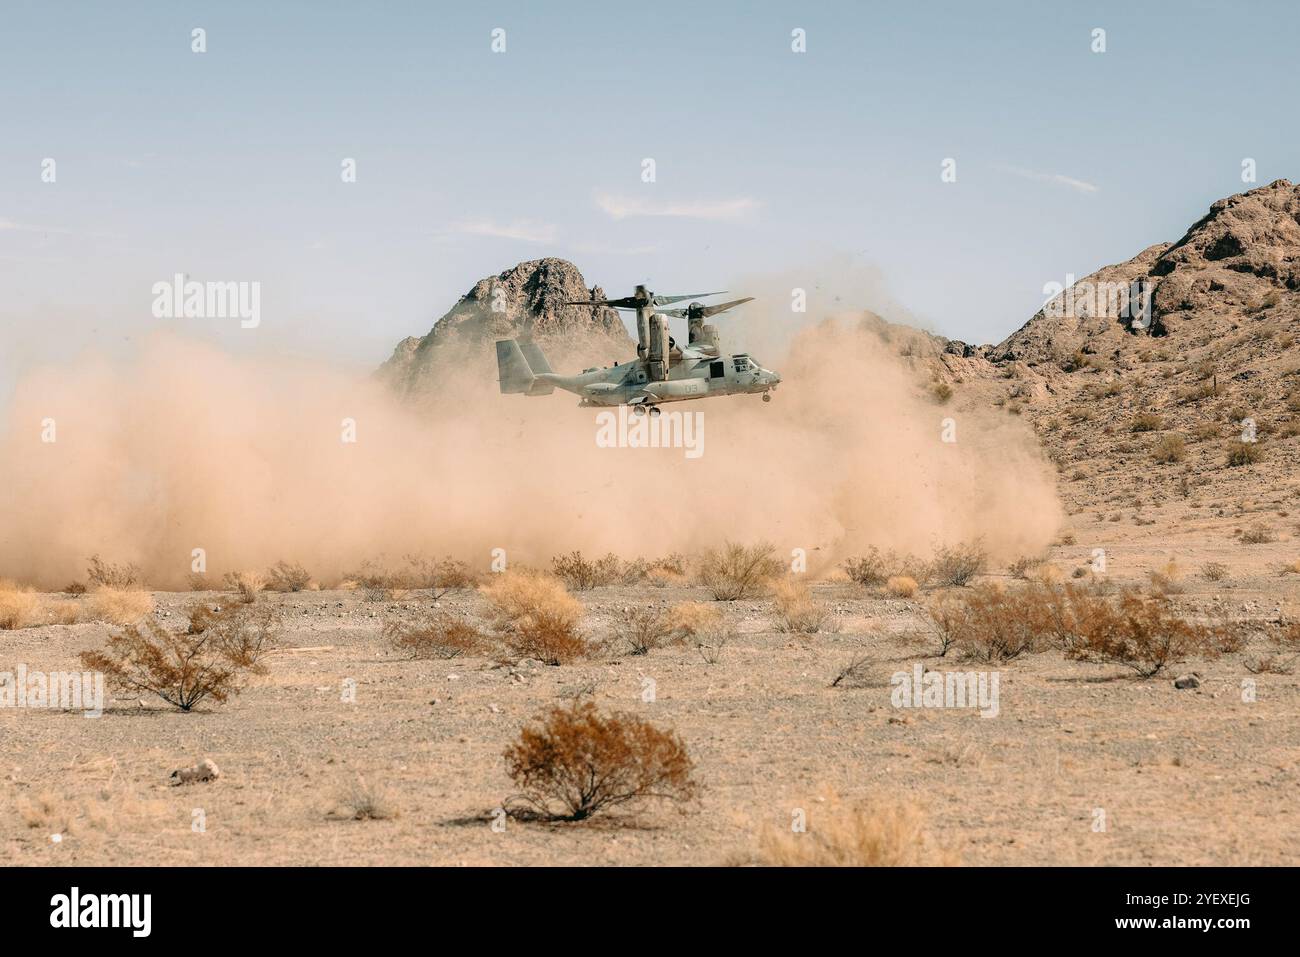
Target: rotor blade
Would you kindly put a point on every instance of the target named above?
(665, 300)
(628, 303)
(675, 313)
(723, 307)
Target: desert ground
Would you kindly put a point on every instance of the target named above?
(1156, 448)
(1192, 776)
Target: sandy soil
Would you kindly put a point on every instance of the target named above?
(1194, 776)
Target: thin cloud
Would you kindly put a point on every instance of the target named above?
(618, 250)
(9, 226)
(524, 230)
(1058, 179)
(620, 207)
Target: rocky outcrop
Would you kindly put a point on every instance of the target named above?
(1241, 258)
(525, 300)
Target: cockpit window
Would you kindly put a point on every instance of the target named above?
(744, 364)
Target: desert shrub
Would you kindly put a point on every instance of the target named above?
(690, 618)
(1258, 534)
(958, 564)
(186, 667)
(118, 606)
(634, 571)
(1143, 633)
(534, 617)
(610, 570)
(989, 624)
(1285, 652)
(378, 580)
(1021, 566)
(702, 627)
(1166, 580)
(439, 576)
(1146, 422)
(1075, 362)
(901, 586)
(1171, 448)
(947, 618)
(19, 607)
(1266, 302)
(582, 575)
(1243, 453)
(875, 568)
(56, 612)
(1195, 393)
(663, 577)
(858, 672)
(871, 569)
(359, 800)
(647, 628)
(737, 571)
(200, 615)
(994, 624)
(796, 611)
(245, 584)
(862, 834)
(941, 391)
(108, 575)
(287, 577)
(674, 562)
(199, 581)
(661, 572)
(440, 635)
(710, 641)
(373, 578)
(573, 762)
(1214, 571)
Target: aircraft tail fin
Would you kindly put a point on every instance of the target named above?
(519, 363)
(533, 353)
(513, 371)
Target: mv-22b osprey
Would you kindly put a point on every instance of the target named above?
(663, 371)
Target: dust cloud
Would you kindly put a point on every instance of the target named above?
(182, 446)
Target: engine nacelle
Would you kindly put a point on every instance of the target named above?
(657, 353)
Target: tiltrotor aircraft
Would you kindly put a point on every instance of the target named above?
(662, 371)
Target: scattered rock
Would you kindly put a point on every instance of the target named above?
(205, 770)
(1187, 681)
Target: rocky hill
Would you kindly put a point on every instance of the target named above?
(525, 300)
(1166, 388)
(1195, 412)
(1241, 259)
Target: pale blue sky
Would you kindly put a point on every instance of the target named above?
(225, 165)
